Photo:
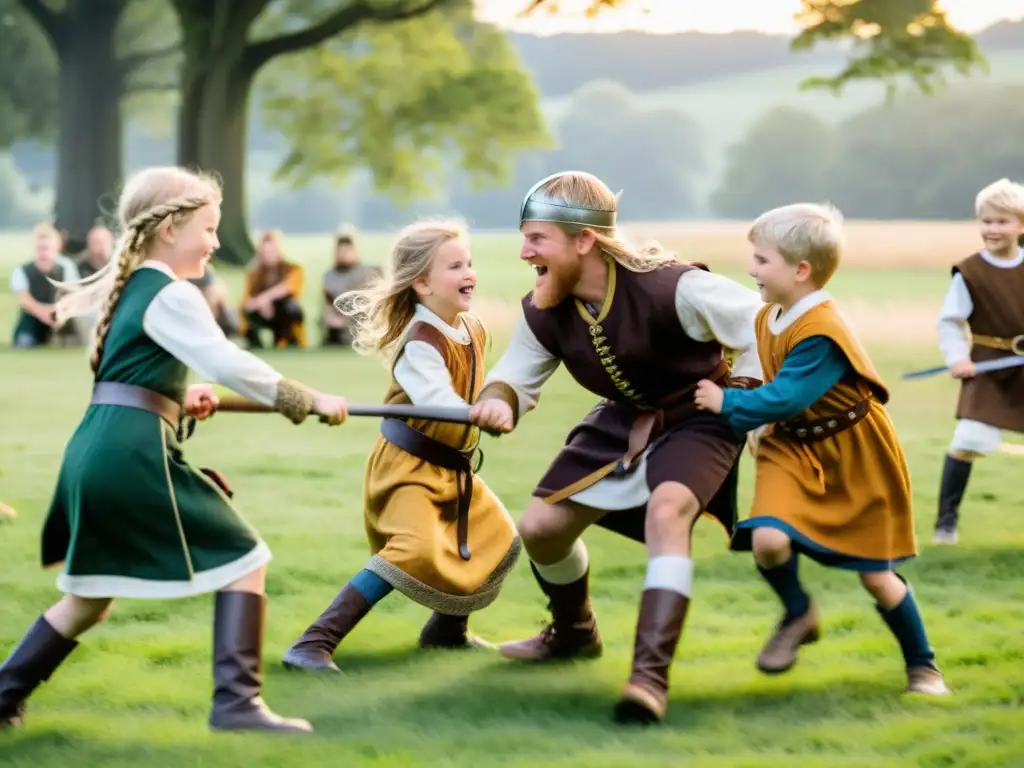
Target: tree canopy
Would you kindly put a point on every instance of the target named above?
(406, 101)
(28, 79)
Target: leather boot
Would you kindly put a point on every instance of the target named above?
(955, 474)
(237, 669)
(645, 698)
(572, 632)
(779, 652)
(315, 649)
(443, 630)
(30, 664)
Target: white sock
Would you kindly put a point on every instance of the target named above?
(568, 570)
(671, 572)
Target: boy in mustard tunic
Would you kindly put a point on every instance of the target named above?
(984, 297)
(438, 534)
(130, 517)
(832, 481)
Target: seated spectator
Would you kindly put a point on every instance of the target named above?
(99, 245)
(347, 274)
(36, 325)
(270, 299)
(216, 294)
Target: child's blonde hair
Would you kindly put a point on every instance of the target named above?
(808, 232)
(384, 308)
(584, 190)
(46, 228)
(1003, 195)
(148, 198)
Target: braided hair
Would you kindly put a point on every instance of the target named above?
(132, 255)
(148, 199)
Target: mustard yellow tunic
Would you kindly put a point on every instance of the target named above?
(410, 504)
(845, 500)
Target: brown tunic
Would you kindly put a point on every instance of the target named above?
(997, 293)
(410, 504)
(845, 498)
(635, 355)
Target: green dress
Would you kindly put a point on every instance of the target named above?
(130, 517)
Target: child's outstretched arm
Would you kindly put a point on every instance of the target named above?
(813, 367)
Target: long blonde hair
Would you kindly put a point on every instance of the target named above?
(384, 308)
(587, 191)
(147, 199)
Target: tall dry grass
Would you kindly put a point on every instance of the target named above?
(870, 244)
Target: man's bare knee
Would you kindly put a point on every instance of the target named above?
(549, 530)
(772, 547)
(671, 513)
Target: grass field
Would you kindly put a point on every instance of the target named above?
(137, 691)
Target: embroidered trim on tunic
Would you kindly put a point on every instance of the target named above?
(604, 352)
(442, 602)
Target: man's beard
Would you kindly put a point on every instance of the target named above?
(558, 284)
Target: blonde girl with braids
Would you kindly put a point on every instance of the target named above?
(130, 516)
(437, 533)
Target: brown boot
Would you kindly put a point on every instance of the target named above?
(926, 680)
(314, 650)
(443, 630)
(645, 698)
(779, 653)
(30, 664)
(572, 633)
(237, 668)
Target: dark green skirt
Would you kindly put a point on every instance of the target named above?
(131, 518)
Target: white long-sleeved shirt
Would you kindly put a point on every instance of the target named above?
(709, 306)
(420, 370)
(180, 321)
(958, 306)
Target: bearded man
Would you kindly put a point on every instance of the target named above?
(638, 329)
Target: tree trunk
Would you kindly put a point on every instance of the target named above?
(212, 134)
(89, 138)
(214, 112)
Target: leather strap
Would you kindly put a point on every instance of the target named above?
(671, 409)
(1015, 344)
(806, 430)
(428, 449)
(131, 396)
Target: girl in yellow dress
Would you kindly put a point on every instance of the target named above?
(438, 534)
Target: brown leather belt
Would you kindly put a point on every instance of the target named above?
(809, 430)
(1014, 345)
(131, 396)
(671, 410)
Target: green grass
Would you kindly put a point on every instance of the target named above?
(137, 691)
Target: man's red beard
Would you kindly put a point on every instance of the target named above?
(558, 283)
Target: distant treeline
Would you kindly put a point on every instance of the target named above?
(918, 158)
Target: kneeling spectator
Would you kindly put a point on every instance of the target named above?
(36, 325)
(273, 289)
(347, 274)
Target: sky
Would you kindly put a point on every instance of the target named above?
(774, 16)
